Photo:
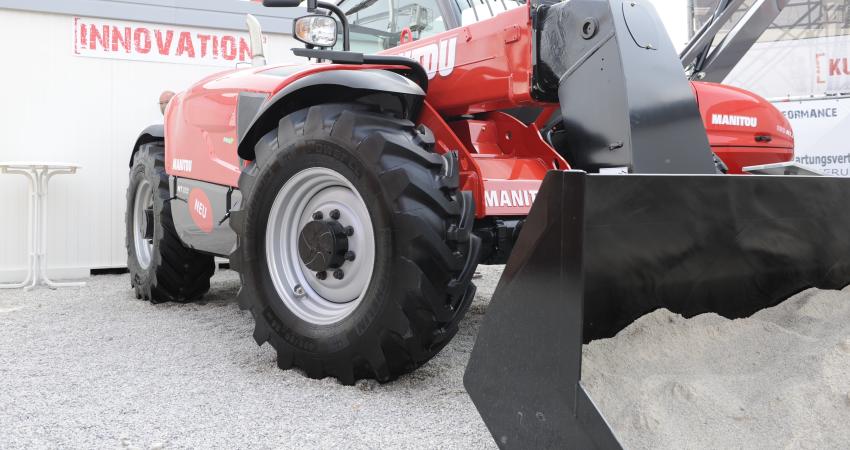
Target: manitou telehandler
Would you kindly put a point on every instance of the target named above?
(357, 192)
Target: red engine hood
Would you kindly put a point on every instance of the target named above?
(737, 118)
(743, 128)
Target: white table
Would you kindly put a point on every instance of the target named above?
(38, 174)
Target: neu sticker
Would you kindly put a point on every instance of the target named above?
(200, 209)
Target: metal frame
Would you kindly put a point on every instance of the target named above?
(719, 61)
(740, 39)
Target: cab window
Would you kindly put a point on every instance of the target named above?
(472, 11)
(378, 24)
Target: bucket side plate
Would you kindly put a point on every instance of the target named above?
(598, 252)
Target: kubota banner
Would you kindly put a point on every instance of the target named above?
(820, 133)
(138, 41)
(795, 68)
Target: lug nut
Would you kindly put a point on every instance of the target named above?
(317, 215)
(338, 274)
(349, 256)
(349, 230)
(321, 275)
(335, 214)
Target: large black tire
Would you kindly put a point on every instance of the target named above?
(171, 271)
(425, 254)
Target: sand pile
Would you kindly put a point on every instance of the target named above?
(779, 379)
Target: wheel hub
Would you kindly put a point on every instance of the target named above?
(322, 245)
(143, 224)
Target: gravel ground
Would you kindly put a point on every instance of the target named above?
(94, 367)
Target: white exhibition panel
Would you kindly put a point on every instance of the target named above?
(88, 109)
(795, 68)
(798, 68)
(821, 129)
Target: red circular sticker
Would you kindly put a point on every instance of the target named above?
(201, 210)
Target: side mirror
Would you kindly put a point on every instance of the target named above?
(315, 30)
(255, 37)
(311, 6)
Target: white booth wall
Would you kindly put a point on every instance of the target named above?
(59, 106)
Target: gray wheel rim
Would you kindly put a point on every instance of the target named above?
(312, 299)
(143, 200)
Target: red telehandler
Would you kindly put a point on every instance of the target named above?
(355, 194)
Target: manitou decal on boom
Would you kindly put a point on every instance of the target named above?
(515, 198)
(436, 57)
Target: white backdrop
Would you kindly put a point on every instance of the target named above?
(816, 67)
(794, 68)
(88, 110)
(820, 131)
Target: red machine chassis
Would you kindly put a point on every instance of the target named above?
(475, 72)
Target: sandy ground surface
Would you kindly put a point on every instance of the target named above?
(778, 379)
(94, 368)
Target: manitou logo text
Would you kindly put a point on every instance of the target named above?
(181, 165)
(436, 57)
(513, 198)
(735, 121)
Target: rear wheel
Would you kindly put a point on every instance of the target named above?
(355, 247)
(161, 268)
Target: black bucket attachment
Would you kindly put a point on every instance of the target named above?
(597, 252)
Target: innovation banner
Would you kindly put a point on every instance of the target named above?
(114, 39)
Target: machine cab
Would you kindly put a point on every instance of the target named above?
(378, 25)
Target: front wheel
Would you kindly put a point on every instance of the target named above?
(355, 245)
(161, 268)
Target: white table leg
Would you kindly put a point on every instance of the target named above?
(45, 180)
(31, 224)
(36, 230)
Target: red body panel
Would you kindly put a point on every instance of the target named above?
(200, 126)
(743, 128)
(480, 68)
(200, 123)
(502, 160)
